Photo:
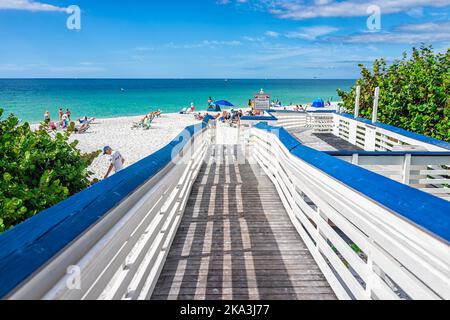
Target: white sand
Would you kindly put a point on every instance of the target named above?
(133, 144)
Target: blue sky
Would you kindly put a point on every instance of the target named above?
(212, 38)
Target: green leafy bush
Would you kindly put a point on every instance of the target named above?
(415, 92)
(37, 170)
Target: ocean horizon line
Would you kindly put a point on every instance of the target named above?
(224, 78)
(29, 98)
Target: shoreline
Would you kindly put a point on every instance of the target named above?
(289, 107)
(136, 144)
(133, 144)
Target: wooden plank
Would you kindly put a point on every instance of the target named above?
(236, 241)
(322, 141)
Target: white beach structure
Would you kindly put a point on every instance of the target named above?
(293, 205)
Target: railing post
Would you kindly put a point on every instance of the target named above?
(375, 105)
(407, 169)
(370, 275)
(353, 129)
(358, 95)
(355, 159)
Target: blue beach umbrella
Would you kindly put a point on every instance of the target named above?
(318, 103)
(223, 103)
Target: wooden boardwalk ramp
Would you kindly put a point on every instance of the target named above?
(236, 241)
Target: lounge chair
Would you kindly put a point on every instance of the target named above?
(148, 124)
(83, 129)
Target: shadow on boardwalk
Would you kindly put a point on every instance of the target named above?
(236, 241)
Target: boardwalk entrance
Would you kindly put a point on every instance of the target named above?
(236, 241)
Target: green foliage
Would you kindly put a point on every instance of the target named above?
(415, 92)
(37, 170)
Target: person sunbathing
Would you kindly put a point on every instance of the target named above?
(199, 116)
(82, 129)
(52, 126)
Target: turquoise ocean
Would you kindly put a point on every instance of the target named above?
(30, 98)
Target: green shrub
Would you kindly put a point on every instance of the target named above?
(37, 170)
(415, 92)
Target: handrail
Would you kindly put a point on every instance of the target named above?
(30, 246)
(402, 132)
(403, 234)
(388, 153)
(302, 111)
(426, 211)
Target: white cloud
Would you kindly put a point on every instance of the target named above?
(253, 39)
(409, 33)
(311, 33)
(225, 2)
(272, 34)
(204, 43)
(300, 10)
(425, 27)
(28, 5)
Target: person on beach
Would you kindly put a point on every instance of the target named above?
(61, 114)
(64, 121)
(192, 107)
(210, 102)
(80, 129)
(47, 118)
(69, 114)
(116, 160)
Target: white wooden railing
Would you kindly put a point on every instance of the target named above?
(122, 256)
(319, 122)
(427, 172)
(374, 138)
(363, 135)
(365, 250)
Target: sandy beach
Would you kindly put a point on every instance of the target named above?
(133, 144)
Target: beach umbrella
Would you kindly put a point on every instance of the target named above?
(318, 103)
(223, 103)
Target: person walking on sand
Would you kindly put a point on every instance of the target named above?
(47, 117)
(116, 160)
(61, 114)
(69, 114)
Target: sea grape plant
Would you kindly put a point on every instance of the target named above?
(415, 92)
(37, 170)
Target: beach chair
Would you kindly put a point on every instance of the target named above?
(148, 124)
(136, 125)
(83, 129)
(140, 124)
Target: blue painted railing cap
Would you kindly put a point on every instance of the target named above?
(31, 244)
(426, 211)
(403, 132)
